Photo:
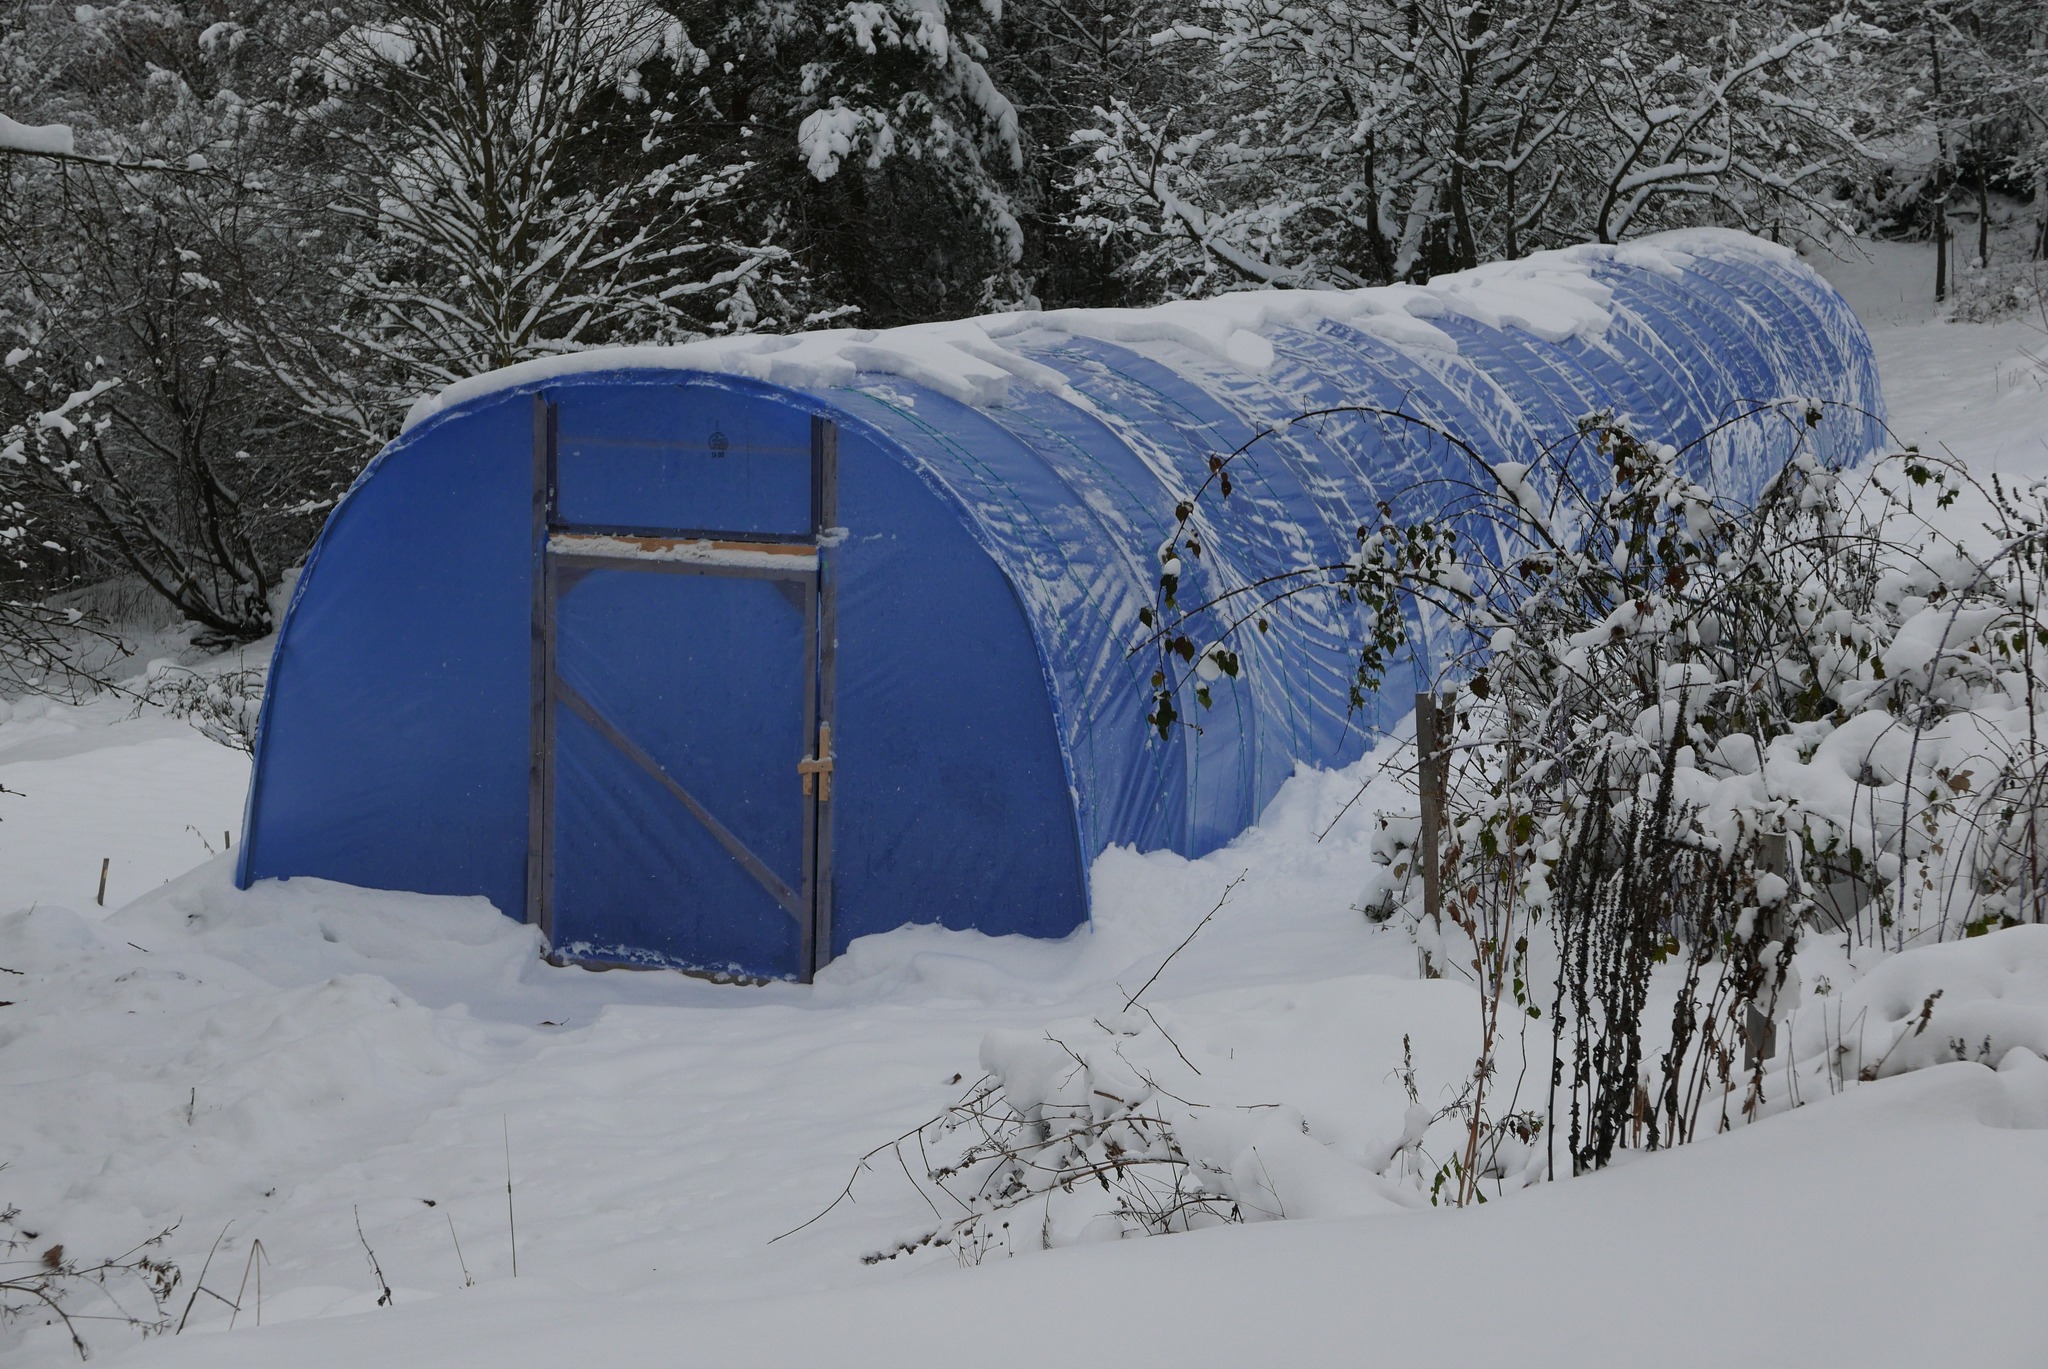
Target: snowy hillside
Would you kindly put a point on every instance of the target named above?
(351, 1079)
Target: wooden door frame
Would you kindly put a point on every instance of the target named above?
(563, 552)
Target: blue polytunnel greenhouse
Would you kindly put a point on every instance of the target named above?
(719, 656)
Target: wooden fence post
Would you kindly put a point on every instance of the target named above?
(1429, 754)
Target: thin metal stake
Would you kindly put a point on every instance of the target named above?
(467, 1282)
(511, 1222)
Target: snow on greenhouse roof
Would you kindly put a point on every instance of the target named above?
(1552, 296)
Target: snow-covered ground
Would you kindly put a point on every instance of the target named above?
(146, 796)
(282, 1065)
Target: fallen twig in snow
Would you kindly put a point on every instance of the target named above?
(511, 1219)
(384, 1296)
(1228, 890)
(257, 1259)
(200, 1286)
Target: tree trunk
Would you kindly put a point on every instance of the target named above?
(1940, 189)
(1983, 215)
(2040, 213)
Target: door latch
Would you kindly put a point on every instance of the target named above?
(818, 765)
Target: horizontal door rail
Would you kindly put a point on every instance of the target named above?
(734, 847)
(662, 444)
(802, 537)
(791, 557)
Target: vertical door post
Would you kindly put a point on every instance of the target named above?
(541, 760)
(826, 532)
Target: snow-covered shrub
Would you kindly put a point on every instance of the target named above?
(1982, 1001)
(1105, 1129)
(222, 704)
(1066, 1139)
(42, 1281)
(1687, 732)
(2001, 290)
(1733, 726)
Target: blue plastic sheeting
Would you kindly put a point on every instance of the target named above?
(990, 734)
(663, 655)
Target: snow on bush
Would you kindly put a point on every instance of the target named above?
(222, 703)
(1100, 1130)
(1685, 735)
(1983, 1000)
(46, 140)
(40, 1280)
